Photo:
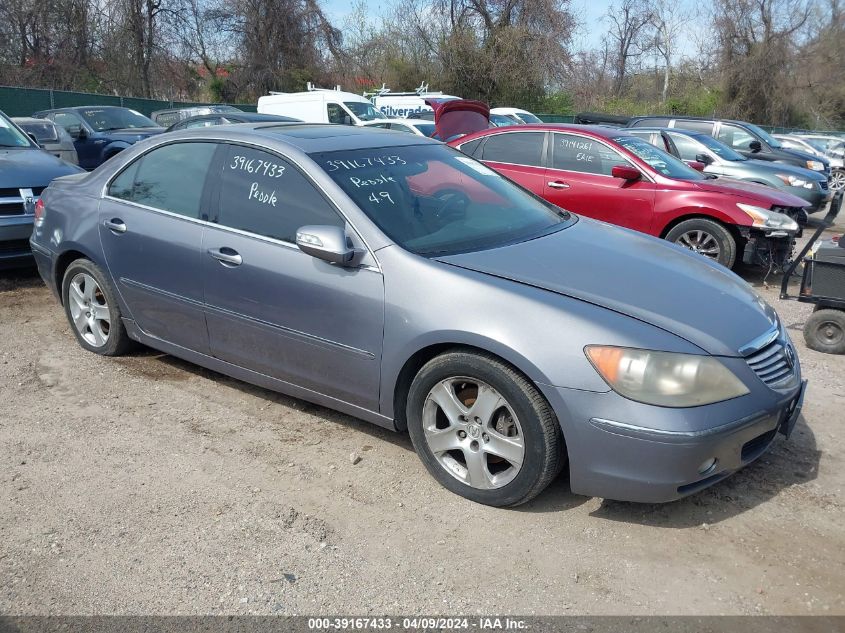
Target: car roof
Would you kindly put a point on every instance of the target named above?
(680, 117)
(593, 130)
(246, 116)
(29, 119)
(82, 107)
(677, 130)
(306, 137)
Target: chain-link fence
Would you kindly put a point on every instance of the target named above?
(24, 101)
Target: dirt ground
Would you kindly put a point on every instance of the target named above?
(147, 485)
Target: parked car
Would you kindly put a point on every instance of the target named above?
(207, 120)
(511, 339)
(831, 145)
(420, 127)
(100, 132)
(25, 170)
(613, 176)
(50, 137)
(167, 118)
(748, 139)
(720, 160)
(832, 152)
(500, 120)
(405, 104)
(518, 115)
(458, 117)
(319, 105)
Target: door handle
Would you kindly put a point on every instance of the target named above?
(557, 184)
(115, 225)
(226, 256)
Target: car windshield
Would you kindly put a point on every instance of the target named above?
(659, 160)
(720, 149)
(772, 141)
(364, 111)
(527, 117)
(103, 119)
(817, 144)
(10, 136)
(433, 200)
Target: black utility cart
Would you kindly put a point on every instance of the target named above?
(823, 283)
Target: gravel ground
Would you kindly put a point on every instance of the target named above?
(147, 485)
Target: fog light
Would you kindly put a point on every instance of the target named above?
(707, 466)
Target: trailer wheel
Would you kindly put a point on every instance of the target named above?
(825, 331)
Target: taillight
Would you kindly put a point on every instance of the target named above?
(39, 212)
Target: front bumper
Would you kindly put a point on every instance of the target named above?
(15, 231)
(816, 198)
(623, 450)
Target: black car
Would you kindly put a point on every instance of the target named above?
(25, 171)
(100, 132)
(746, 138)
(224, 118)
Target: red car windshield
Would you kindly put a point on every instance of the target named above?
(659, 160)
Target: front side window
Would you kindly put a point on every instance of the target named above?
(434, 200)
(337, 114)
(516, 148)
(264, 194)
(687, 148)
(71, 123)
(364, 111)
(586, 155)
(170, 178)
(660, 161)
(105, 119)
(735, 137)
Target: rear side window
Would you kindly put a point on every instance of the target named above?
(469, 148)
(170, 178)
(516, 148)
(585, 155)
(264, 194)
(705, 127)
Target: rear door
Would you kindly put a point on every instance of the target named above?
(275, 310)
(151, 224)
(579, 179)
(518, 155)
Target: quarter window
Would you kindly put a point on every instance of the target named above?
(170, 178)
(516, 148)
(263, 194)
(585, 155)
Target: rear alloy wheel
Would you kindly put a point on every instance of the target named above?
(825, 331)
(483, 430)
(837, 179)
(707, 238)
(92, 310)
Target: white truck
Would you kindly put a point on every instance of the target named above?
(320, 105)
(403, 105)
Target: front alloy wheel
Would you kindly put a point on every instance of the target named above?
(837, 179)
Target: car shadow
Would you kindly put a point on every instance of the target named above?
(12, 279)
(786, 464)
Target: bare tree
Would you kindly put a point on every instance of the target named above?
(668, 19)
(628, 36)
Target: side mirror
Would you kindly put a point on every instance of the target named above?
(704, 159)
(325, 242)
(696, 165)
(625, 172)
(755, 146)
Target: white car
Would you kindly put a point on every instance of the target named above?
(420, 127)
(518, 115)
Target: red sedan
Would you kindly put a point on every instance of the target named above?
(610, 175)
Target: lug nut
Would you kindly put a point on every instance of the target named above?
(485, 437)
(462, 434)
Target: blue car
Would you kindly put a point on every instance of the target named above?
(100, 132)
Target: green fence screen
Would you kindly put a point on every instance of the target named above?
(24, 101)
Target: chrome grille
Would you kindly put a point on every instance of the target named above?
(18, 201)
(774, 363)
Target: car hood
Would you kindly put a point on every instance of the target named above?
(31, 168)
(797, 153)
(133, 134)
(637, 275)
(761, 195)
(782, 168)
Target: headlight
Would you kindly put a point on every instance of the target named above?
(796, 181)
(665, 379)
(765, 219)
(815, 165)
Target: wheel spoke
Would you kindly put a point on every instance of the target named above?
(90, 288)
(97, 333)
(477, 473)
(442, 441)
(80, 320)
(444, 395)
(486, 403)
(100, 313)
(508, 448)
(75, 293)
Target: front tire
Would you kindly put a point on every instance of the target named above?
(707, 238)
(825, 331)
(837, 179)
(91, 308)
(483, 430)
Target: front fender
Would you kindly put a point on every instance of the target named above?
(725, 212)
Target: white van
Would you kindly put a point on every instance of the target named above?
(403, 105)
(320, 105)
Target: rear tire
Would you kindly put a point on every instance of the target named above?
(706, 237)
(825, 331)
(483, 430)
(91, 308)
